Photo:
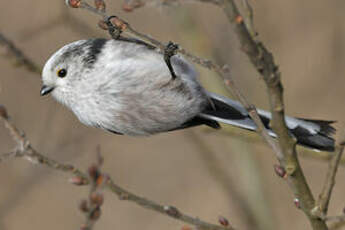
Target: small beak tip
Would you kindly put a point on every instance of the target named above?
(46, 90)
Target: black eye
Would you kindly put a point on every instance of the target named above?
(62, 73)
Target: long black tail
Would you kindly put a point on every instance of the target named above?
(315, 134)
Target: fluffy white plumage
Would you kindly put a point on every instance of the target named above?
(124, 86)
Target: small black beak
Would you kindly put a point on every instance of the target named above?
(46, 90)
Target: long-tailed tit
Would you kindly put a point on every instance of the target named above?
(125, 87)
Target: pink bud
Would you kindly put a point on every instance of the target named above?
(223, 221)
(279, 170)
(297, 203)
(73, 3)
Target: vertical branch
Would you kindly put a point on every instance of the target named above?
(92, 206)
(321, 207)
(264, 63)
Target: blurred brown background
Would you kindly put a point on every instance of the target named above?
(203, 173)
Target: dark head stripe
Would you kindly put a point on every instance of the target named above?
(94, 48)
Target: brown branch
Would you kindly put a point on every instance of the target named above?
(163, 209)
(340, 218)
(249, 17)
(263, 61)
(26, 151)
(21, 58)
(91, 207)
(130, 5)
(321, 206)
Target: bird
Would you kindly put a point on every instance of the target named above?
(124, 86)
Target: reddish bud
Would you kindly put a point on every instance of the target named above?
(96, 198)
(172, 211)
(93, 172)
(130, 5)
(77, 181)
(83, 206)
(100, 5)
(3, 112)
(73, 3)
(84, 227)
(95, 214)
(297, 203)
(119, 23)
(279, 170)
(239, 19)
(100, 180)
(185, 227)
(127, 7)
(223, 221)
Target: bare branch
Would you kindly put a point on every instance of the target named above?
(163, 209)
(340, 218)
(321, 206)
(26, 151)
(249, 17)
(130, 5)
(21, 58)
(92, 207)
(264, 63)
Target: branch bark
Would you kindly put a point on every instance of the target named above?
(25, 150)
(321, 207)
(264, 63)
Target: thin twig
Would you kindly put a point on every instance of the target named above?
(91, 207)
(321, 206)
(19, 55)
(163, 209)
(249, 17)
(130, 5)
(26, 151)
(264, 63)
(340, 218)
(7, 156)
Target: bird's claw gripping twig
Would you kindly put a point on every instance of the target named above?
(115, 26)
(169, 51)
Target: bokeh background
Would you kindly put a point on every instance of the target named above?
(200, 171)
